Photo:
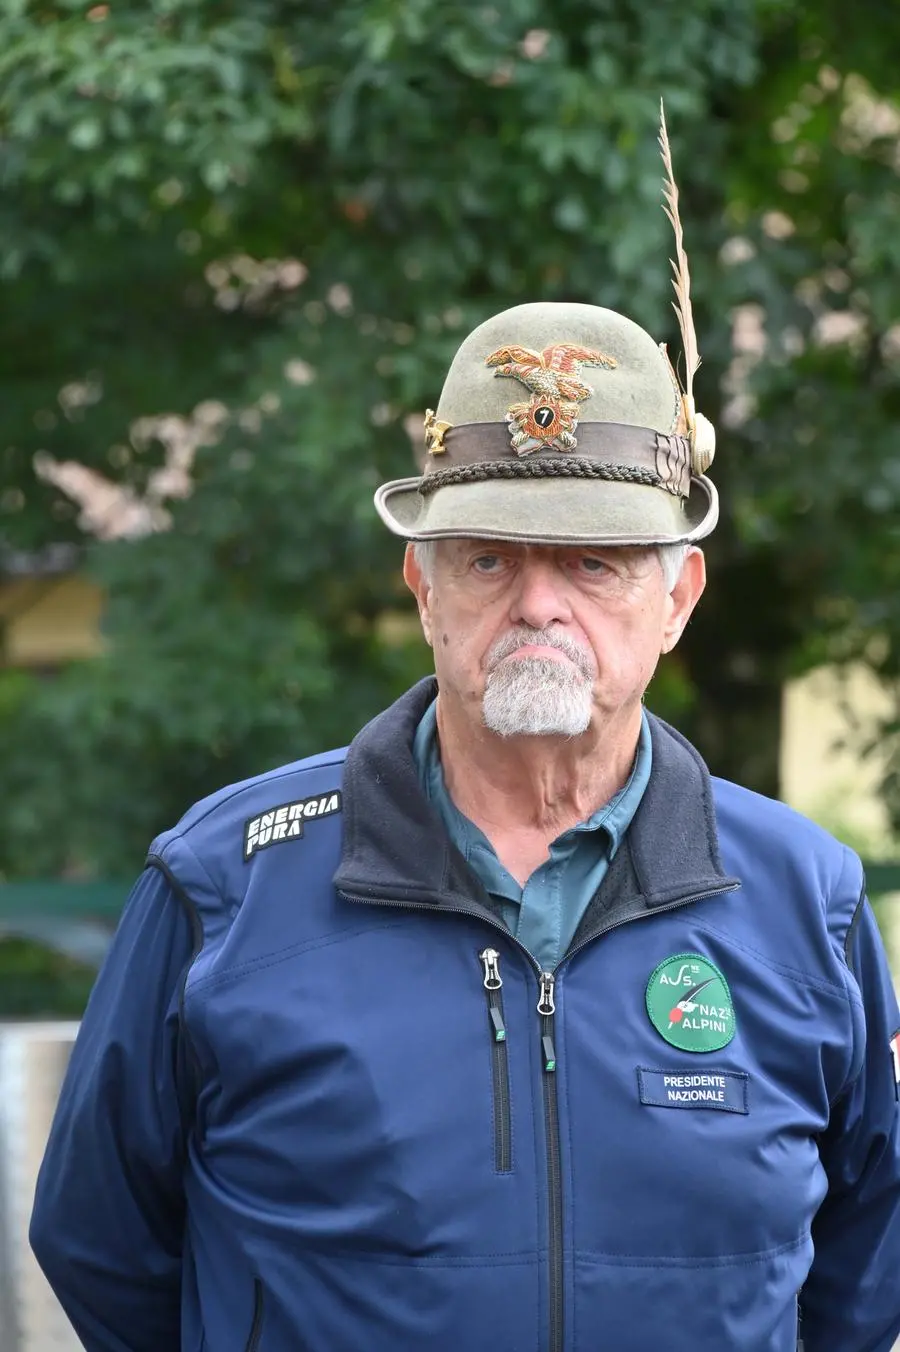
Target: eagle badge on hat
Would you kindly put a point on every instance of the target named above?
(549, 419)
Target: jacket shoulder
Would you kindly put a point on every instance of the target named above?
(759, 833)
(215, 828)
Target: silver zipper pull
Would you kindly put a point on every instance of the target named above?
(545, 1004)
(491, 960)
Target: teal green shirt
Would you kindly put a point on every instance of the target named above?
(545, 913)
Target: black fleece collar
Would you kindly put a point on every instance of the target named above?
(396, 849)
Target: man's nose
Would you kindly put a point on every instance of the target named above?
(539, 596)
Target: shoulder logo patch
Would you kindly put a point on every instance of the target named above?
(286, 822)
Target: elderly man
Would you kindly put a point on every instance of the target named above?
(508, 1028)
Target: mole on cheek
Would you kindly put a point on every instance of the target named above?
(445, 640)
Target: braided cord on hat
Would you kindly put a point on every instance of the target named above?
(572, 467)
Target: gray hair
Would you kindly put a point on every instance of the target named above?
(671, 559)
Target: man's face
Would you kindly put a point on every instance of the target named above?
(540, 640)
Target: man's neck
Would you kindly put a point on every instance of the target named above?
(518, 789)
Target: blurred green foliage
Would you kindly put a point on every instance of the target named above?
(37, 982)
(277, 222)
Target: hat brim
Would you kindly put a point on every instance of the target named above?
(550, 511)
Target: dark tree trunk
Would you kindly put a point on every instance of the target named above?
(735, 654)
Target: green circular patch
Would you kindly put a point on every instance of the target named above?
(689, 1004)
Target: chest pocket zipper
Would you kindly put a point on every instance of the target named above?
(493, 984)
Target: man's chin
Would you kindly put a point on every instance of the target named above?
(534, 734)
(533, 718)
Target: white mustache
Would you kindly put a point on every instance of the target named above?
(524, 635)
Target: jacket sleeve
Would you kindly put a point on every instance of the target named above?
(851, 1300)
(108, 1218)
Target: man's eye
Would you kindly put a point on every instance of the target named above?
(487, 563)
(592, 565)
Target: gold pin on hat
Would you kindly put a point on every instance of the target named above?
(435, 431)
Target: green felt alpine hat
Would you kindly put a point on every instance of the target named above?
(565, 424)
(559, 424)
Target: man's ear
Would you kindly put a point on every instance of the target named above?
(683, 597)
(421, 589)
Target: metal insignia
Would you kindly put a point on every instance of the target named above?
(435, 431)
(549, 419)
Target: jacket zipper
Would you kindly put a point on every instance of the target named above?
(256, 1326)
(800, 1343)
(493, 983)
(546, 1010)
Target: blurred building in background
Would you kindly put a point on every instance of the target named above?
(49, 611)
(33, 1060)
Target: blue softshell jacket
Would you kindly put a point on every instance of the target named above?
(303, 1116)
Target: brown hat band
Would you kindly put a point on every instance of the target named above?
(478, 451)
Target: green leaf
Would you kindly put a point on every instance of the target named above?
(86, 134)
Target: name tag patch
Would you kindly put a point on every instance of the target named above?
(726, 1090)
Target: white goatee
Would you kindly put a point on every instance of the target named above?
(538, 696)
